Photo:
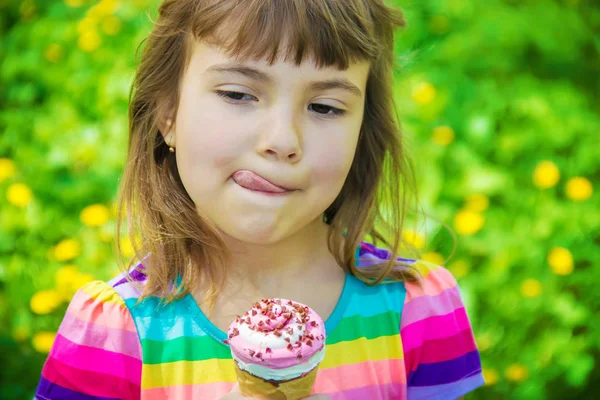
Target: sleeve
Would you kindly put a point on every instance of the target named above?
(97, 353)
(440, 354)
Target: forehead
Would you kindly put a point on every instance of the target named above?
(211, 59)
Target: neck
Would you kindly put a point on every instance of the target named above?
(291, 258)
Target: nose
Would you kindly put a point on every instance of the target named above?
(282, 136)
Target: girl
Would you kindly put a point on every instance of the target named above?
(263, 148)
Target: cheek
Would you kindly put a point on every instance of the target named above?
(332, 159)
(207, 137)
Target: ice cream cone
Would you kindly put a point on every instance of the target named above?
(277, 347)
(293, 389)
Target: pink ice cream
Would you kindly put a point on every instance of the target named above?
(277, 339)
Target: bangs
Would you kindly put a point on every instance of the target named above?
(329, 32)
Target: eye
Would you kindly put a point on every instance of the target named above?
(235, 96)
(321, 109)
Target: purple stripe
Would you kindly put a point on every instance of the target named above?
(452, 390)
(424, 307)
(445, 372)
(47, 390)
(369, 252)
(85, 333)
(372, 392)
(136, 273)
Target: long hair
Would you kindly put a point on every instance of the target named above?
(185, 247)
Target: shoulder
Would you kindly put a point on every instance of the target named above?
(97, 351)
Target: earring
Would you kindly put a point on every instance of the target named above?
(169, 123)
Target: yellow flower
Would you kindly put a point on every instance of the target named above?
(423, 93)
(531, 288)
(7, 169)
(459, 268)
(560, 261)
(89, 41)
(516, 372)
(579, 188)
(433, 257)
(74, 3)
(414, 238)
(103, 8)
(490, 376)
(477, 202)
(80, 280)
(546, 174)
(64, 277)
(468, 222)
(53, 53)
(19, 194)
(443, 135)
(45, 301)
(42, 341)
(112, 25)
(95, 215)
(87, 24)
(67, 250)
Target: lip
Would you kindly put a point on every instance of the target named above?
(252, 181)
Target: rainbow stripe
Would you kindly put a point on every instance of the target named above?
(389, 341)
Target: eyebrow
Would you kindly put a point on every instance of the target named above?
(258, 75)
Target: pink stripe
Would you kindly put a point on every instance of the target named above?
(96, 360)
(352, 376)
(92, 335)
(424, 307)
(198, 392)
(86, 382)
(432, 328)
(441, 350)
(390, 391)
(433, 284)
(111, 315)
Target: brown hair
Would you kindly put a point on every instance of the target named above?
(183, 244)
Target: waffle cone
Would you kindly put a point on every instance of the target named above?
(293, 389)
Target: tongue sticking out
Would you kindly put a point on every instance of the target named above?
(250, 180)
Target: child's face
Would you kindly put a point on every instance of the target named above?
(281, 130)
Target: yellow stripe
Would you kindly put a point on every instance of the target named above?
(103, 292)
(424, 267)
(362, 349)
(219, 370)
(188, 373)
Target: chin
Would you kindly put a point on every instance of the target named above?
(257, 233)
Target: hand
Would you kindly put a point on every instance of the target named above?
(235, 394)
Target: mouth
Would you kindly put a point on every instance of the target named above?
(252, 181)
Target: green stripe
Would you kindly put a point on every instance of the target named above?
(357, 326)
(183, 349)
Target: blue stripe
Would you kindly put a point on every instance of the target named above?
(428, 374)
(452, 390)
(157, 322)
(369, 301)
(47, 390)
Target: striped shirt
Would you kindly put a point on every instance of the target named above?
(395, 340)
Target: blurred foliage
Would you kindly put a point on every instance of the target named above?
(499, 101)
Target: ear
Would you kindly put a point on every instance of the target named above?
(166, 122)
